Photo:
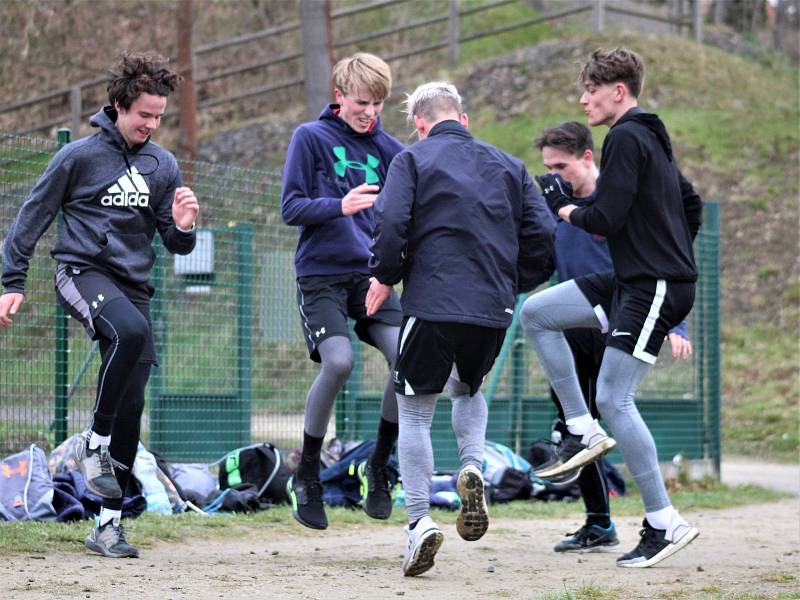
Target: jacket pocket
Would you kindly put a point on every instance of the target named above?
(128, 255)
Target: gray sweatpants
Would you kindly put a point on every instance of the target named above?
(469, 418)
(544, 317)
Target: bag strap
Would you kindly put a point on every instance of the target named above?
(28, 481)
(275, 469)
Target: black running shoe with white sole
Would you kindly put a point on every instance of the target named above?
(473, 520)
(576, 451)
(657, 544)
(307, 506)
(590, 538)
(109, 540)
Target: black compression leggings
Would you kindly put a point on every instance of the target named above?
(123, 333)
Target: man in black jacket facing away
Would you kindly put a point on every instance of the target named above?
(461, 224)
(650, 214)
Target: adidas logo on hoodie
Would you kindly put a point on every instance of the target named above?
(129, 190)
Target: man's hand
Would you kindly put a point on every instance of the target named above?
(9, 305)
(557, 192)
(681, 347)
(376, 295)
(359, 198)
(184, 208)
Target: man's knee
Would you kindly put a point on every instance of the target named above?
(338, 366)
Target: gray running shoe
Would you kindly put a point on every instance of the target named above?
(109, 540)
(97, 468)
(576, 451)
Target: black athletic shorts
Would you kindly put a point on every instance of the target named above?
(637, 316)
(427, 351)
(83, 294)
(326, 301)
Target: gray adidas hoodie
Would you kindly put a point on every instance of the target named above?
(113, 199)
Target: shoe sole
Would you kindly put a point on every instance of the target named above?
(100, 549)
(422, 559)
(590, 550)
(666, 552)
(111, 495)
(581, 459)
(473, 521)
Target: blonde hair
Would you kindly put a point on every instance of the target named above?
(363, 71)
(431, 100)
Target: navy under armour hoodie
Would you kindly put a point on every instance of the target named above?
(325, 160)
(112, 198)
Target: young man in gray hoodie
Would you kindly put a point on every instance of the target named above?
(115, 189)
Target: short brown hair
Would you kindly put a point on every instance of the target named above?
(363, 71)
(139, 73)
(570, 136)
(619, 65)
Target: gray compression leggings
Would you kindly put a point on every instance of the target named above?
(469, 417)
(336, 355)
(544, 317)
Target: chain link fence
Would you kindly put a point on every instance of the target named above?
(233, 366)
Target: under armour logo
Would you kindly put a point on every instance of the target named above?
(341, 165)
(100, 297)
(320, 332)
(548, 189)
(21, 469)
(94, 304)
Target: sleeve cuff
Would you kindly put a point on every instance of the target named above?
(192, 228)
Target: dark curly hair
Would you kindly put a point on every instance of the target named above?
(139, 73)
(612, 66)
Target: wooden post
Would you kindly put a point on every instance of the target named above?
(697, 21)
(453, 33)
(188, 97)
(598, 16)
(75, 110)
(316, 56)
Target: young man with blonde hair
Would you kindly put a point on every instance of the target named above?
(462, 225)
(334, 168)
(650, 214)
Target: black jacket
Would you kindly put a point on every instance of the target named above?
(462, 225)
(644, 205)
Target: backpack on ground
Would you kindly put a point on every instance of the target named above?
(259, 464)
(341, 485)
(26, 488)
(506, 473)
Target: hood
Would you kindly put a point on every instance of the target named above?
(106, 119)
(331, 115)
(653, 123)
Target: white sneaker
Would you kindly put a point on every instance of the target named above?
(424, 542)
(473, 521)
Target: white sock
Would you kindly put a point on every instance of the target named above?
(106, 515)
(95, 441)
(660, 519)
(580, 425)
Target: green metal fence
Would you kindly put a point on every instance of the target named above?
(233, 364)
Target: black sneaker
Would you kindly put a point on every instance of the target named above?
(658, 544)
(590, 538)
(307, 507)
(97, 468)
(376, 489)
(109, 540)
(576, 451)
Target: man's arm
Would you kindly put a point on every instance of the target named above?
(393, 221)
(616, 187)
(298, 207)
(692, 205)
(536, 235)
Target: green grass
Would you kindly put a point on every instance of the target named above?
(33, 538)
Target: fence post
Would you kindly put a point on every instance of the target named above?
(188, 98)
(711, 218)
(598, 16)
(244, 320)
(453, 33)
(697, 21)
(75, 110)
(316, 58)
(62, 348)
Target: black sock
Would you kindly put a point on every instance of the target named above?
(412, 525)
(387, 436)
(309, 460)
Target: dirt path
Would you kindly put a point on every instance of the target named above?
(753, 549)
